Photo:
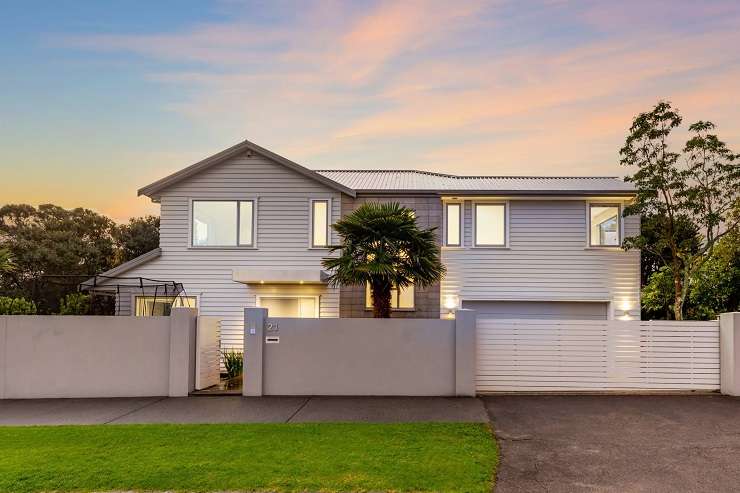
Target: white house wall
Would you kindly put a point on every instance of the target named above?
(547, 258)
(282, 199)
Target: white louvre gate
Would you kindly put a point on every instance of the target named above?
(588, 355)
(207, 352)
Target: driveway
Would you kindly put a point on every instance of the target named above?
(617, 443)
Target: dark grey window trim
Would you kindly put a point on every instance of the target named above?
(505, 205)
(619, 223)
(460, 218)
(238, 243)
(313, 222)
(397, 300)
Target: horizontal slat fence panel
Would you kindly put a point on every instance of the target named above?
(595, 355)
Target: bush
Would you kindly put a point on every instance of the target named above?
(16, 306)
(74, 304)
(233, 362)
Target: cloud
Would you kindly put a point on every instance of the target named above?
(548, 89)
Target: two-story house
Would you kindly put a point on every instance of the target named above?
(247, 227)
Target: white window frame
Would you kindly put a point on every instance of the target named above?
(135, 296)
(474, 218)
(461, 218)
(316, 298)
(398, 294)
(620, 223)
(311, 222)
(191, 218)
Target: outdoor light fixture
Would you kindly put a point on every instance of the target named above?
(626, 310)
(450, 305)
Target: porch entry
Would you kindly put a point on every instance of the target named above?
(290, 306)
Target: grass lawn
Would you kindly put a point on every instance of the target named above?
(458, 457)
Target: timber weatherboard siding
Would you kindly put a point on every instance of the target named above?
(282, 197)
(547, 258)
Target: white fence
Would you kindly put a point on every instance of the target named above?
(586, 355)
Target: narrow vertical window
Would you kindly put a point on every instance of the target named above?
(319, 223)
(246, 223)
(453, 225)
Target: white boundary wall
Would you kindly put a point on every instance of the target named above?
(92, 356)
(586, 355)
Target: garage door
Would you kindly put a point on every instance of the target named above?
(545, 310)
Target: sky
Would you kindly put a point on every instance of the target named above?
(99, 98)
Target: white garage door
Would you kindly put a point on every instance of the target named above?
(541, 310)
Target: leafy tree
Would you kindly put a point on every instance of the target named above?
(138, 237)
(703, 190)
(382, 246)
(716, 286)
(6, 262)
(657, 295)
(16, 306)
(75, 304)
(52, 241)
(655, 257)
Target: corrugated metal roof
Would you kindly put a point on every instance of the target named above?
(379, 180)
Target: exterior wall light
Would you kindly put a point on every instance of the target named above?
(451, 303)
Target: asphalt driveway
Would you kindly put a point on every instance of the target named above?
(617, 443)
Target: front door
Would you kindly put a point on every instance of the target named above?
(290, 306)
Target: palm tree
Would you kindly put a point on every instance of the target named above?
(382, 246)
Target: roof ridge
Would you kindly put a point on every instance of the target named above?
(447, 175)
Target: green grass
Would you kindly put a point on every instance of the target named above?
(326, 457)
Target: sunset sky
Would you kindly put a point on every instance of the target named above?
(99, 98)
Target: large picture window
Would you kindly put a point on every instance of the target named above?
(223, 223)
(604, 225)
(401, 299)
(319, 223)
(490, 224)
(159, 306)
(453, 231)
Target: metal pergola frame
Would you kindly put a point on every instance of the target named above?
(113, 284)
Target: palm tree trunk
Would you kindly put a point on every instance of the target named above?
(381, 296)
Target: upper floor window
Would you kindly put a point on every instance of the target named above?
(604, 225)
(223, 223)
(490, 224)
(453, 236)
(319, 223)
(401, 299)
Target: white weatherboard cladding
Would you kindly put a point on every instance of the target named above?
(546, 259)
(590, 355)
(282, 202)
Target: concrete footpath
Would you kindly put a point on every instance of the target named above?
(236, 409)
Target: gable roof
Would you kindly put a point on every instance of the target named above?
(350, 182)
(124, 267)
(152, 189)
(415, 180)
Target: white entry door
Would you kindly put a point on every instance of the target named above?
(290, 306)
